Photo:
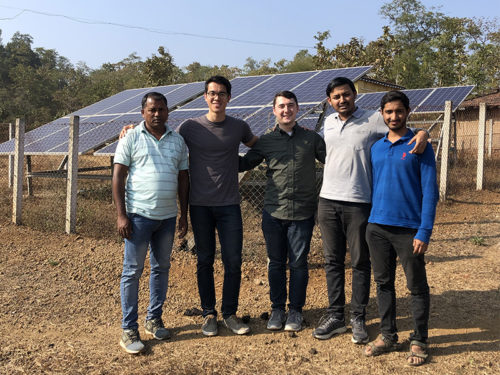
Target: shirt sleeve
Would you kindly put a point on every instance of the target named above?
(124, 150)
(247, 133)
(252, 158)
(183, 162)
(430, 194)
(320, 148)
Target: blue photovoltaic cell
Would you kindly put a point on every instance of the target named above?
(108, 150)
(372, 100)
(187, 91)
(108, 105)
(436, 101)
(314, 90)
(239, 86)
(264, 93)
(176, 118)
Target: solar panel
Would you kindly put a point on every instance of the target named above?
(239, 86)
(264, 93)
(435, 102)
(101, 121)
(313, 90)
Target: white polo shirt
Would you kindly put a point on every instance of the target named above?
(154, 165)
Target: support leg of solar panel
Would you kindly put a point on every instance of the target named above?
(29, 178)
(17, 193)
(480, 146)
(72, 186)
(445, 149)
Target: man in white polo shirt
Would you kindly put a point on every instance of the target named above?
(150, 170)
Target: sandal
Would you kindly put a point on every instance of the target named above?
(412, 354)
(389, 346)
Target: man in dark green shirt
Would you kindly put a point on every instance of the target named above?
(290, 202)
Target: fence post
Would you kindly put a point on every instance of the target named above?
(445, 150)
(490, 143)
(12, 134)
(71, 182)
(480, 146)
(17, 193)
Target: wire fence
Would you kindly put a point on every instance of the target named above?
(44, 194)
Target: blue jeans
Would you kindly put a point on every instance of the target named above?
(227, 221)
(340, 223)
(287, 239)
(386, 244)
(159, 236)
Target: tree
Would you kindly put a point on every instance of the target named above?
(161, 70)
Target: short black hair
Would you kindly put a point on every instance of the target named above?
(286, 94)
(393, 96)
(155, 96)
(221, 81)
(339, 81)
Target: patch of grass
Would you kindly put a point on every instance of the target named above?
(477, 240)
(53, 262)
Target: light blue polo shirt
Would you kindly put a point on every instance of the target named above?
(151, 188)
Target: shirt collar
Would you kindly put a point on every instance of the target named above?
(142, 128)
(409, 135)
(358, 113)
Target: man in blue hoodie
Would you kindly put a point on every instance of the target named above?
(404, 199)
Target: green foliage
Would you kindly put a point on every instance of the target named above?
(478, 241)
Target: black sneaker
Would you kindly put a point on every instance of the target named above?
(359, 332)
(328, 326)
(276, 320)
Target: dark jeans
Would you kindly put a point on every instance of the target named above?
(386, 243)
(287, 239)
(342, 222)
(227, 221)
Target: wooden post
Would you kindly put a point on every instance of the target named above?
(17, 193)
(71, 182)
(29, 179)
(480, 146)
(12, 134)
(490, 140)
(445, 150)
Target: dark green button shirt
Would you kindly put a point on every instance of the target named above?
(291, 192)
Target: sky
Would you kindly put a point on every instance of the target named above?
(220, 32)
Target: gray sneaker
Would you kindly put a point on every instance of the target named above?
(328, 326)
(276, 320)
(209, 327)
(359, 333)
(294, 321)
(237, 326)
(131, 341)
(156, 328)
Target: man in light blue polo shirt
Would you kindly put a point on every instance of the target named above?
(150, 170)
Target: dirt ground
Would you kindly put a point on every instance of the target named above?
(60, 308)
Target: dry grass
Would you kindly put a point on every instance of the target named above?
(60, 307)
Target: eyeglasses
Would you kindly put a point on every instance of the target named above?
(221, 94)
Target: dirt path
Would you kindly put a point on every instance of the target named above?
(60, 309)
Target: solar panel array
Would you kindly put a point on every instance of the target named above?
(252, 96)
(421, 100)
(100, 122)
(251, 100)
